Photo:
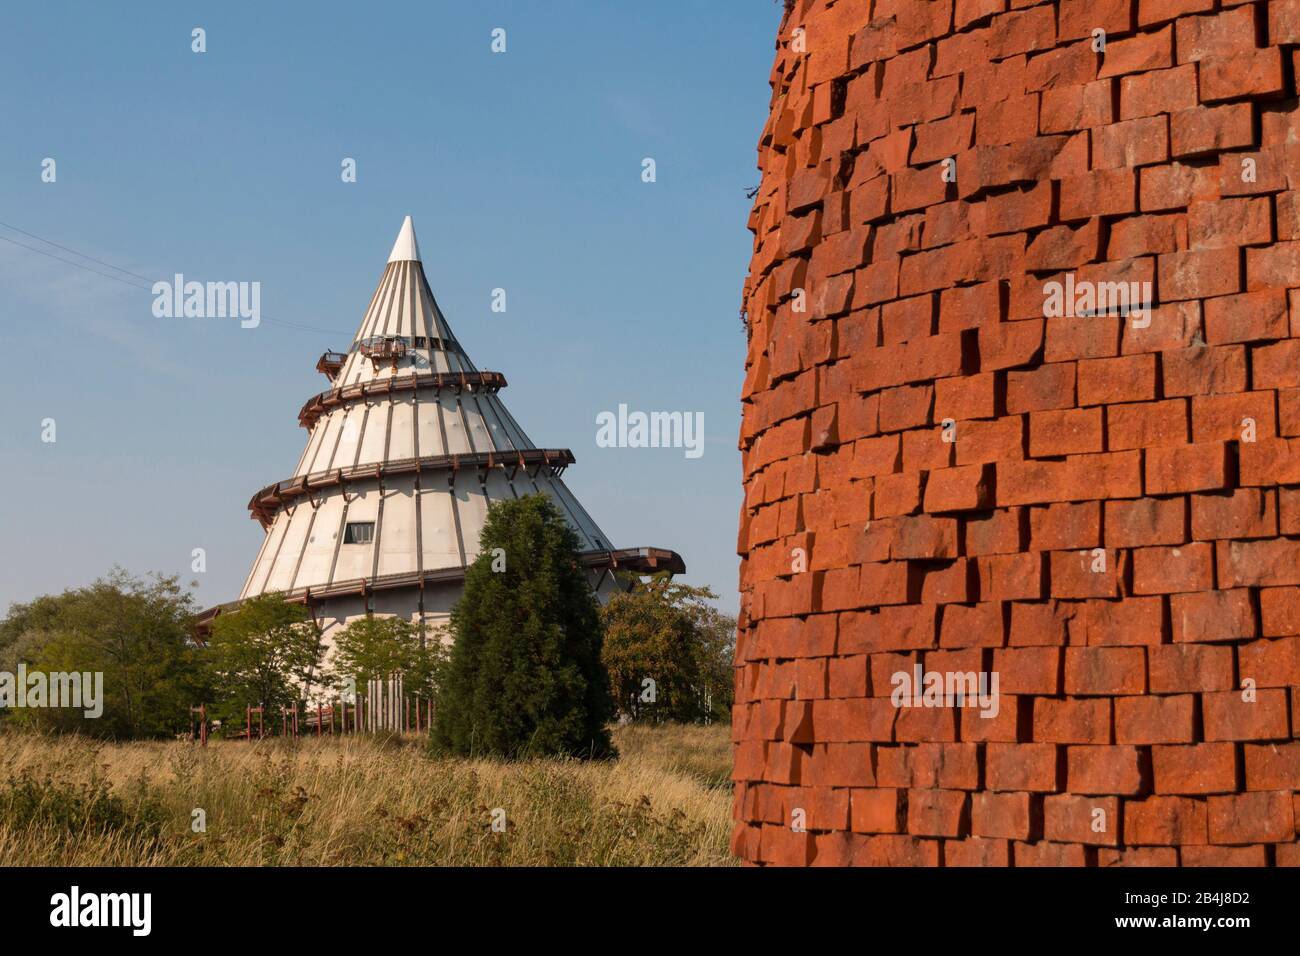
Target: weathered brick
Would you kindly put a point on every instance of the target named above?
(1211, 129)
(1171, 570)
(880, 810)
(1137, 856)
(1047, 853)
(1230, 33)
(1226, 223)
(1265, 817)
(1200, 273)
(1204, 370)
(1195, 769)
(1046, 387)
(1272, 766)
(1265, 563)
(999, 531)
(1146, 424)
(1087, 573)
(1098, 770)
(982, 442)
(1123, 622)
(1157, 91)
(1008, 816)
(1009, 344)
(1065, 526)
(1270, 663)
(1133, 143)
(1212, 615)
(1038, 624)
(1221, 856)
(1271, 266)
(1280, 611)
(1105, 670)
(1072, 721)
(964, 488)
(1022, 767)
(1144, 522)
(1069, 818)
(1275, 365)
(1139, 54)
(1228, 716)
(1155, 720)
(1126, 378)
(976, 625)
(1104, 192)
(1177, 469)
(1160, 820)
(937, 812)
(1175, 185)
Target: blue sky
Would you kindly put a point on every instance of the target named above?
(522, 171)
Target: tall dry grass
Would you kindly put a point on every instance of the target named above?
(68, 801)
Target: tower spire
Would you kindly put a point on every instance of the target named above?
(405, 249)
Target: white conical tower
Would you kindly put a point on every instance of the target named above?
(405, 451)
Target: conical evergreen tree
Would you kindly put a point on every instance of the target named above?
(525, 676)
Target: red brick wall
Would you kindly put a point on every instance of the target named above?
(1111, 523)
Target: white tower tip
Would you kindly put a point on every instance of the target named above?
(405, 249)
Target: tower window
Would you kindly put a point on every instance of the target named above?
(359, 532)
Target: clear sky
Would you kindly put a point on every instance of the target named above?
(522, 170)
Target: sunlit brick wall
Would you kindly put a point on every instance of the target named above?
(1022, 405)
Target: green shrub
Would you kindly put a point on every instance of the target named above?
(525, 676)
(75, 810)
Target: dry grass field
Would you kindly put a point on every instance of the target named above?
(66, 801)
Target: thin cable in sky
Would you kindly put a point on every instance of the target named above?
(149, 282)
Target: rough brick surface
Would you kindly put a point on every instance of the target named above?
(993, 469)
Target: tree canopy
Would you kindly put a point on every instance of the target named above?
(266, 652)
(378, 647)
(135, 631)
(668, 652)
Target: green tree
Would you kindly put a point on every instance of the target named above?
(669, 652)
(266, 652)
(377, 647)
(525, 675)
(137, 632)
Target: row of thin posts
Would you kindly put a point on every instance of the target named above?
(384, 707)
(384, 704)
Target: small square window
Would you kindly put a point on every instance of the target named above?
(359, 532)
